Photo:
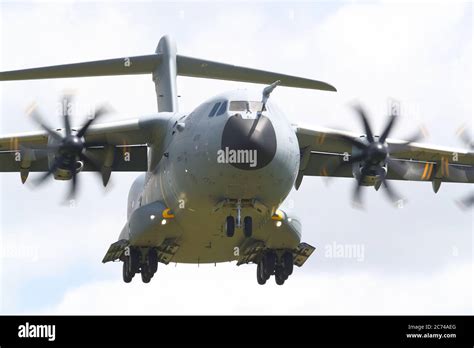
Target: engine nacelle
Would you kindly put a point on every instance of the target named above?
(371, 178)
(285, 231)
(65, 174)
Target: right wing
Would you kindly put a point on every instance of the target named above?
(322, 148)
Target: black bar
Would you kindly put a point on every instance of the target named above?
(292, 330)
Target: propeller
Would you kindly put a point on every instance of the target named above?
(465, 137)
(468, 201)
(70, 149)
(372, 154)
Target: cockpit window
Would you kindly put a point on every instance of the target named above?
(214, 109)
(222, 109)
(238, 106)
(244, 105)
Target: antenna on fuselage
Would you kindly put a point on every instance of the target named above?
(265, 96)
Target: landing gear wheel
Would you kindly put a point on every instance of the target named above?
(134, 261)
(248, 226)
(127, 276)
(230, 226)
(280, 276)
(261, 279)
(152, 260)
(269, 261)
(279, 280)
(146, 274)
(287, 260)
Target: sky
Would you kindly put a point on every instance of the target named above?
(414, 260)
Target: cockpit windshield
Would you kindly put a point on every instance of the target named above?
(245, 105)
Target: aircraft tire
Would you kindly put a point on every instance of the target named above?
(146, 274)
(152, 260)
(269, 261)
(134, 261)
(230, 226)
(248, 226)
(280, 277)
(261, 278)
(287, 261)
(127, 276)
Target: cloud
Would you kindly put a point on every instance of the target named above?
(415, 258)
(187, 289)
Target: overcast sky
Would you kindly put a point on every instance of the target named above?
(415, 260)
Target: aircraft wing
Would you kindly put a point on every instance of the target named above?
(323, 148)
(126, 139)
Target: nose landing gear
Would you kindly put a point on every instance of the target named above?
(248, 226)
(232, 222)
(229, 226)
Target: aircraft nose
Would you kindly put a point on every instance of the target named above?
(248, 143)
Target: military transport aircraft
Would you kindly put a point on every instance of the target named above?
(213, 179)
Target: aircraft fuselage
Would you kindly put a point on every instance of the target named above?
(222, 154)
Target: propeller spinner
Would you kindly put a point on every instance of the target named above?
(372, 155)
(70, 151)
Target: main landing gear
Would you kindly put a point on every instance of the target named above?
(273, 264)
(137, 262)
(231, 223)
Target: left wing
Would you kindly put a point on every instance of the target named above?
(323, 148)
(127, 140)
